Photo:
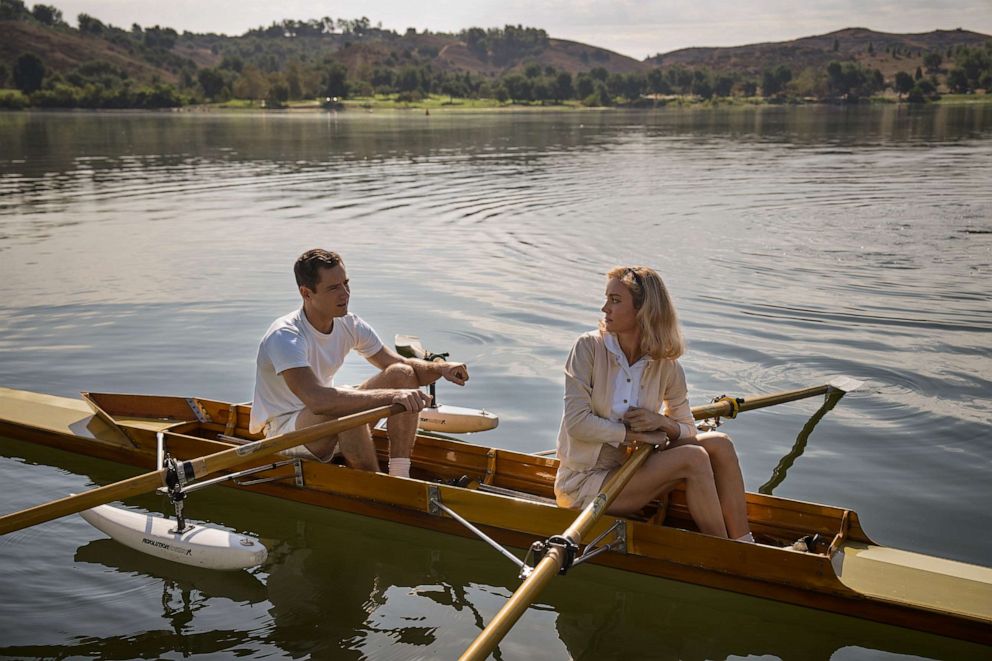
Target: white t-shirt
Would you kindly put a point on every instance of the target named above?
(292, 342)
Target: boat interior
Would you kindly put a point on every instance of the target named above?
(451, 461)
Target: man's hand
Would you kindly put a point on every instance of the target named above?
(643, 420)
(414, 400)
(457, 373)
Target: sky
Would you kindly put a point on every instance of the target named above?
(635, 28)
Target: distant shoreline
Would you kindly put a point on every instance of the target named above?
(446, 105)
(437, 104)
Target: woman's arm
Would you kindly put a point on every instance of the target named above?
(579, 419)
(677, 421)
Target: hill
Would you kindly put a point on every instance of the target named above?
(444, 52)
(64, 50)
(882, 50)
(100, 65)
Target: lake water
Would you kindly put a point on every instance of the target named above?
(149, 252)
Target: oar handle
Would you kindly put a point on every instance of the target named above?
(194, 468)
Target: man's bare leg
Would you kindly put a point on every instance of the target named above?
(402, 427)
(355, 444)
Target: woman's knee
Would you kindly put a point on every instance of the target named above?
(719, 446)
(695, 460)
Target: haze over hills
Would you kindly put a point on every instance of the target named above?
(304, 59)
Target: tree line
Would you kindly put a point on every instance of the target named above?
(278, 64)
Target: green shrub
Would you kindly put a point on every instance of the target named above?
(599, 98)
(411, 96)
(13, 100)
(59, 95)
(159, 96)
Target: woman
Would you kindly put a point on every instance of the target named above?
(624, 386)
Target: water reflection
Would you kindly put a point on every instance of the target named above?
(606, 614)
(152, 644)
(785, 463)
(148, 252)
(345, 586)
(179, 582)
(45, 151)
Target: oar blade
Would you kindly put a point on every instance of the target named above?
(845, 383)
(409, 346)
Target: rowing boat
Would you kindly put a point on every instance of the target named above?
(508, 495)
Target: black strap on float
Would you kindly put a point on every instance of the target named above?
(176, 475)
(432, 388)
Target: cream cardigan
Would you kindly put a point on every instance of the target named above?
(590, 375)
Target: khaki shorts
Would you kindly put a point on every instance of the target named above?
(576, 489)
(283, 424)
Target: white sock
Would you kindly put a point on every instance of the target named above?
(749, 538)
(399, 466)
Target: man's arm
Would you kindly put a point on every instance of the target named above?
(336, 402)
(427, 373)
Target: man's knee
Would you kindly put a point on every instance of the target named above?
(400, 375)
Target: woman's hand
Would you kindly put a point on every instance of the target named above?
(635, 438)
(643, 420)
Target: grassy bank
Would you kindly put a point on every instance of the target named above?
(439, 103)
(12, 99)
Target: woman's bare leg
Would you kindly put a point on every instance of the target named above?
(662, 471)
(728, 478)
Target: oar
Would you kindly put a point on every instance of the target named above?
(725, 405)
(191, 469)
(551, 564)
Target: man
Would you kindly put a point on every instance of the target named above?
(301, 352)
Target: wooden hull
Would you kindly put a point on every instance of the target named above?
(848, 574)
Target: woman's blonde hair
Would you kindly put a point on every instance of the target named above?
(661, 336)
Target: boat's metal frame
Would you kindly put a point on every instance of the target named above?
(508, 496)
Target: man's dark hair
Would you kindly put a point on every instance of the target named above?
(307, 267)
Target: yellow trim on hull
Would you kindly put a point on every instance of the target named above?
(916, 579)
